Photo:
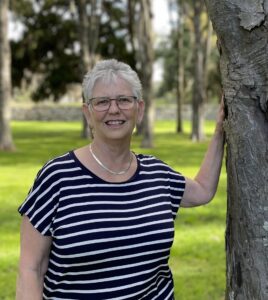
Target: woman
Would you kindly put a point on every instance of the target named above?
(98, 222)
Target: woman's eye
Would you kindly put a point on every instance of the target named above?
(124, 99)
(103, 102)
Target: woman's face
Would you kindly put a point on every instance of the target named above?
(115, 123)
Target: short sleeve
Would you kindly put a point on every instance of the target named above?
(41, 204)
(177, 188)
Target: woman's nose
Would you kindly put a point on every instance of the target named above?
(114, 106)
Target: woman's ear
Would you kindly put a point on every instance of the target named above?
(141, 107)
(87, 114)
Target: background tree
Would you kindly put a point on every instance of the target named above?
(6, 141)
(189, 53)
(145, 60)
(46, 55)
(198, 98)
(141, 34)
(88, 28)
(207, 56)
(180, 62)
(177, 24)
(50, 55)
(242, 30)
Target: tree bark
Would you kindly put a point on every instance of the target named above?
(207, 56)
(145, 55)
(198, 97)
(180, 60)
(242, 30)
(132, 31)
(88, 35)
(6, 140)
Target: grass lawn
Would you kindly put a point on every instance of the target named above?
(198, 257)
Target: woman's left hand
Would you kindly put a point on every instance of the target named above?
(220, 116)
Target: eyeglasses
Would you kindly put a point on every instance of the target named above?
(104, 103)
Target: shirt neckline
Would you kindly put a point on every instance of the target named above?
(89, 172)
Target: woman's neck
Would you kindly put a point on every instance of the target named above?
(112, 155)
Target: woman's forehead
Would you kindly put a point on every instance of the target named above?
(117, 84)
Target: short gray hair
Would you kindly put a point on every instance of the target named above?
(107, 71)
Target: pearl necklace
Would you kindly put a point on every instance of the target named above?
(107, 169)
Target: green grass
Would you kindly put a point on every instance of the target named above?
(198, 257)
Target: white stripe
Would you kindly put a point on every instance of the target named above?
(122, 194)
(161, 291)
(86, 254)
(111, 211)
(34, 191)
(124, 184)
(141, 291)
(111, 268)
(168, 296)
(53, 159)
(48, 213)
(50, 165)
(122, 257)
(82, 232)
(175, 197)
(133, 294)
(154, 172)
(149, 157)
(49, 188)
(111, 278)
(113, 219)
(107, 290)
(105, 240)
(43, 206)
(154, 165)
(52, 174)
(170, 172)
(108, 202)
(54, 195)
(176, 189)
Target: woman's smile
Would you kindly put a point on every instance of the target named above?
(115, 123)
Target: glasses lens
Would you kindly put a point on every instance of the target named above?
(101, 103)
(125, 102)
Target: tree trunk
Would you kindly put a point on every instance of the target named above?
(132, 31)
(131, 23)
(207, 56)
(180, 59)
(242, 30)
(6, 141)
(198, 89)
(88, 35)
(145, 58)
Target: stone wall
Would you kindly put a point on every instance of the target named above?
(44, 112)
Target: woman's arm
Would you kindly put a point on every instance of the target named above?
(34, 256)
(203, 188)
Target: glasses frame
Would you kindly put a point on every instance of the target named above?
(89, 102)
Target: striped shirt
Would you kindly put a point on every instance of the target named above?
(109, 240)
